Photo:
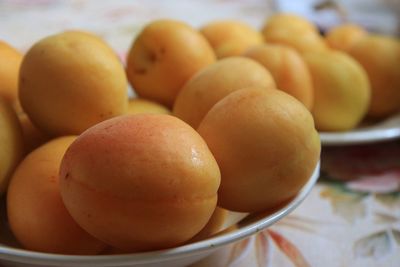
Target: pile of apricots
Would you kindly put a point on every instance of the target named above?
(224, 118)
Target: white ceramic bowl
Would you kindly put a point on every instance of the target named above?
(175, 257)
(382, 131)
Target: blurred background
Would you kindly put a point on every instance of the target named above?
(22, 22)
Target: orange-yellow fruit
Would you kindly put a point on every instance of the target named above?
(230, 37)
(288, 69)
(36, 213)
(163, 57)
(10, 61)
(71, 81)
(341, 90)
(11, 143)
(215, 82)
(345, 36)
(265, 144)
(380, 57)
(33, 137)
(140, 182)
(140, 105)
(293, 31)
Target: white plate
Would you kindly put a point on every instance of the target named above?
(385, 130)
(179, 256)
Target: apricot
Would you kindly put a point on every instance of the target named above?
(288, 69)
(341, 90)
(32, 136)
(140, 182)
(12, 143)
(293, 31)
(140, 105)
(36, 213)
(215, 82)
(266, 146)
(163, 57)
(380, 57)
(71, 81)
(344, 36)
(230, 37)
(9, 69)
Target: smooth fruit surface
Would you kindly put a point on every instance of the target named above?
(265, 144)
(9, 69)
(12, 143)
(140, 105)
(341, 90)
(71, 81)
(380, 57)
(288, 69)
(215, 82)
(140, 182)
(163, 57)
(230, 37)
(344, 37)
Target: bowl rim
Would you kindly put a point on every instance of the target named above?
(20, 255)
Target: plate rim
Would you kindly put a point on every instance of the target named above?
(364, 135)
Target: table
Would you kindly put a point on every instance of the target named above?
(351, 217)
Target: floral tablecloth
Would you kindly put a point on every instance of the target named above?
(351, 217)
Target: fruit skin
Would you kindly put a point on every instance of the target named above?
(140, 105)
(12, 143)
(341, 90)
(288, 69)
(380, 57)
(163, 57)
(150, 177)
(345, 36)
(33, 137)
(71, 81)
(215, 82)
(265, 144)
(293, 31)
(36, 213)
(9, 68)
(230, 37)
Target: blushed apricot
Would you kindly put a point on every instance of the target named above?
(140, 182)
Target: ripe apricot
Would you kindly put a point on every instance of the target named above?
(163, 57)
(70, 81)
(341, 90)
(36, 212)
(12, 143)
(293, 31)
(345, 36)
(140, 182)
(380, 57)
(230, 37)
(9, 69)
(288, 69)
(266, 146)
(140, 105)
(215, 82)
